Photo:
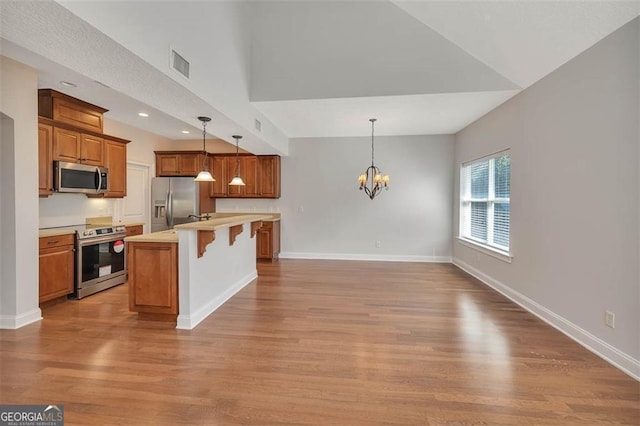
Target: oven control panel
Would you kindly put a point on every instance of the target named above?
(99, 232)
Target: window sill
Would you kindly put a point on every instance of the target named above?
(490, 251)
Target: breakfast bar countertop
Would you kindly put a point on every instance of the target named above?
(171, 235)
(223, 222)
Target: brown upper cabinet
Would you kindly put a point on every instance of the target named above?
(218, 166)
(250, 175)
(269, 176)
(45, 159)
(115, 159)
(261, 173)
(71, 130)
(76, 147)
(66, 109)
(172, 163)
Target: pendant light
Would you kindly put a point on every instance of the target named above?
(372, 181)
(204, 175)
(237, 180)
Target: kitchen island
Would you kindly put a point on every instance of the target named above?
(186, 273)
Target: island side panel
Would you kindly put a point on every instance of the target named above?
(207, 282)
(153, 279)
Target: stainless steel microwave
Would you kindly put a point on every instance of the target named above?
(74, 177)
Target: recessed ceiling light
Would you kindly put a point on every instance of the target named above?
(143, 114)
(68, 84)
(186, 132)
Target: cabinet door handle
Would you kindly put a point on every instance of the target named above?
(53, 242)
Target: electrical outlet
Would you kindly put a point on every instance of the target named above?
(378, 243)
(610, 319)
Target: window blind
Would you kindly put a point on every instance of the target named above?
(485, 201)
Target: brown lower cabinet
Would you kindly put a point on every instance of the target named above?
(268, 241)
(153, 280)
(56, 267)
(132, 230)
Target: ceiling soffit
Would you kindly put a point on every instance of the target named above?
(49, 31)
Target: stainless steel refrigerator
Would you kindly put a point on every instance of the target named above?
(172, 201)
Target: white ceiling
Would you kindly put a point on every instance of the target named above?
(316, 69)
(466, 58)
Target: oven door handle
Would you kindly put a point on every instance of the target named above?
(100, 240)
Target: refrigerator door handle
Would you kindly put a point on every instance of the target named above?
(169, 211)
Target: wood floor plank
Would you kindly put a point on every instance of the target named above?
(317, 343)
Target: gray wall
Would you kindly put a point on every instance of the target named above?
(326, 216)
(7, 217)
(18, 85)
(575, 186)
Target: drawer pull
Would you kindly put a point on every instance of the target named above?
(53, 242)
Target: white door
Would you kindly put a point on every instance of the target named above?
(136, 203)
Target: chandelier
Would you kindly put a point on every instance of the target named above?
(372, 181)
(204, 175)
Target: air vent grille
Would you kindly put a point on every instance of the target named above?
(179, 63)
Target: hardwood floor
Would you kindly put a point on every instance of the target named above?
(320, 343)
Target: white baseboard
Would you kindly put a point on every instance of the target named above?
(615, 357)
(189, 322)
(16, 321)
(375, 257)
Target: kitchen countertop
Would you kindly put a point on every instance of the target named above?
(168, 236)
(54, 232)
(66, 230)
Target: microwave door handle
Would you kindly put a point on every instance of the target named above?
(99, 179)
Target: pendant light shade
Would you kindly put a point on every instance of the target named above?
(204, 175)
(237, 180)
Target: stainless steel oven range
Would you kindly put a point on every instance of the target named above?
(100, 262)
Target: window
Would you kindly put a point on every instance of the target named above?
(485, 194)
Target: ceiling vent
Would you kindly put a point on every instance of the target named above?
(179, 63)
